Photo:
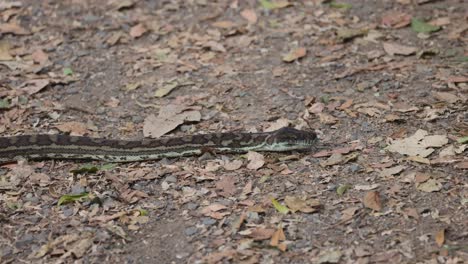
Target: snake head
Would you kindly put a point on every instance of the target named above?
(288, 138)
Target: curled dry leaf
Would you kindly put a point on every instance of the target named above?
(372, 201)
(169, 118)
(440, 237)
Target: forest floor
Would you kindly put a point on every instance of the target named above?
(383, 83)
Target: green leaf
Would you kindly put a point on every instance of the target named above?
(279, 207)
(462, 140)
(4, 104)
(87, 168)
(143, 212)
(67, 71)
(342, 189)
(68, 198)
(108, 166)
(344, 6)
(269, 5)
(420, 26)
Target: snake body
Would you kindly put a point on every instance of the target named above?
(54, 146)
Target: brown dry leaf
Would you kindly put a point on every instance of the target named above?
(396, 19)
(431, 185)
(233, 165)
(39, 56)
(280, 123)
(34, 86)
(249, 15)
(74, 128)
(418, 144)
(227, 185)
(372, 201)
(327, 119)
(224, 24)
(169, 118)
(297, 204)
(348, 213)
(440, 237)
(397, 49)
(411, 212)
(446, 97)
(138, 30)
(277, 237)
(419, 159)
(316, 108)
(5, 51)
(392, 171)
(259, 233)
(347, 104)
(421, 177)
(462, 165)
(295, 54)
(256, 160)
(13, 29)
(213, 211)
(441, 21)
(338, 158)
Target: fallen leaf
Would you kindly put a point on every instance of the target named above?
(233, 165)
(446, 97)
(417, 144)
(259, 233)
(227, 185)
(431, 185)
(420, 26)
(138, 30)
(74, 128)
(392, 171)
(13, 29)
(330, 256)
(372, 201)
(166, 89)
(5, 51)
(396, 49)
(169, 118)
(39, 56)
(295, 54)
(297, 204)
(316, 108)
(345, 34)
(396, 19)
(34, 86)
(348, 213)
(249, 15)
(256, 160)
(275, 4)
(224, 24)
(277, 236)
(327, 119)
(440, 237)
(279, 207)
(366, 187)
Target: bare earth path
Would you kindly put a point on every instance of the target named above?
(383, 83)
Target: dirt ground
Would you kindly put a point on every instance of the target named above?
(383, 84)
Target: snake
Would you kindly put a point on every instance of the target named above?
(64, 147)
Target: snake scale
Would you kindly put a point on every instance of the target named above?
(54, 146)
